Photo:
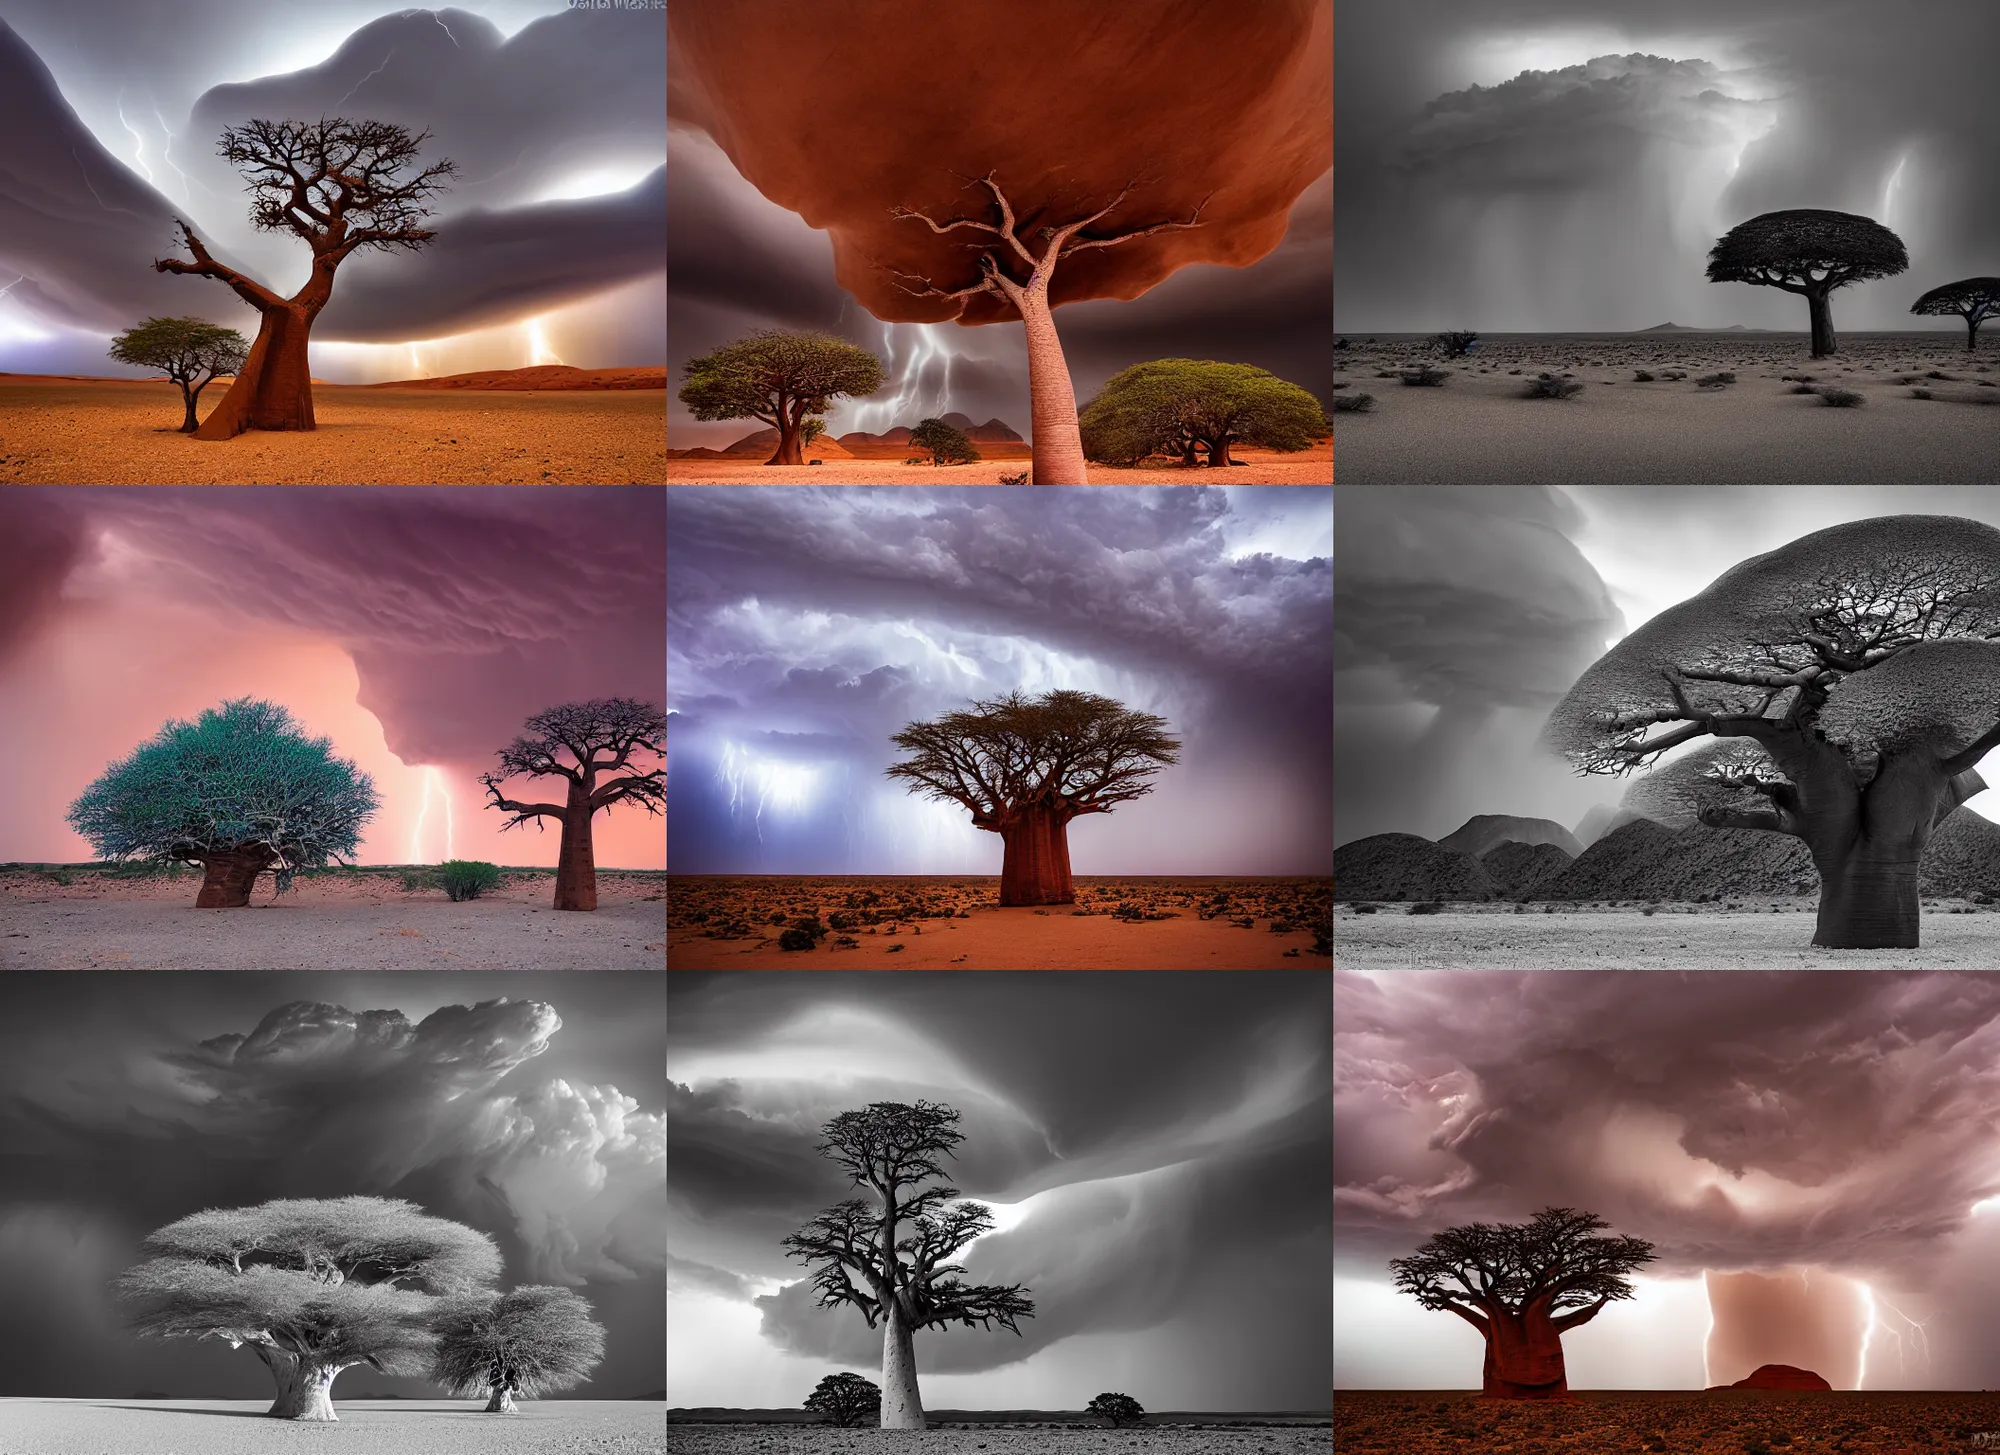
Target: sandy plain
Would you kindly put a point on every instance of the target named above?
(340, 921)
(944, 922)
(1772, 934)
(1685, 1422)
(1477, 429)
(364, 1427)
(996, 1440)
(118, 432)
(1266, 467)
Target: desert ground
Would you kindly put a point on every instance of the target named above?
(1685, 1422)
(1265, 467)
(945, 922)
(337, 920)
(365, 1427)
(1759, 934)
(56, 431)
(999, 1439)
(1476, 428)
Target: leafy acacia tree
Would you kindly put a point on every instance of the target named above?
(523, 1342)
(603, 736)
(312, 1287)
(183, 348)
(240, 791)
(1120, 1409)
(947, 444)
(1523, 1286)
(1850, 684)
(1170, 405)
(780, 378)
(899, 1245)
(1810, 252)
(1020, 271)
(338, 186)
(1026, 766)
(846, 1400)
(1973, 299)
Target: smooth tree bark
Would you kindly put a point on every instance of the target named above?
(305, 1391)
(336, 185)
(1055, 439)
(1034, 864)
(229, 876)
(1524, 1352)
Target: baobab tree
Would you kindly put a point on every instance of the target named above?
(240, 791)
(899, 1245)
(523, 1342)
(1841, 689)
(603, 736)
(781, 378)
(1973, 299)
(1523, 1286)
(1810, 252)
(1025, 766)
(1020, 271)
(339, 186)
(312, 1286)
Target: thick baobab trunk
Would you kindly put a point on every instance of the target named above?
(1819, 304)
(1218, 453)
(576, 864)
(502, 1402)
(1034, 868)
(1524, 1357)
(1869, 850)
(305, 1391)
(273, 390)
(902, 1404)
(788, 451)
(1057, 440)
(229, 877)
(1867, 902)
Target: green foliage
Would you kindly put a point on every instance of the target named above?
(810, 430)
(182, 348)
(947, 444)
(463, 879)
(743, 380)
(1159, 406)
(525, 1341)
(240, 776)
(846, 1400)
(1119, 1409)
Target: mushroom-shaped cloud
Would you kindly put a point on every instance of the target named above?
(1225, 105)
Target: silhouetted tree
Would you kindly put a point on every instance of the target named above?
(1523, 1286)
(240, 791)
(338, 186)
(779, 378)
(1020, 271)
(183, 348)
(899, 1243)
(1026, 766)
(601, 736)
(846, 1400)
(1172, 404)
(1810, 252)
(947, 444)
(1851, 682)
(1973, 299)
(312, 1286)
(1120, 1409)
(523, 1342)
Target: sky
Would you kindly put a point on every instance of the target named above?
(780, 182)
(527, 1106)
(1565, 165)
(807, 626)
(1464, 613)
(1153, 1148)
(1811, 1155)
(549, 247)
(416, 627)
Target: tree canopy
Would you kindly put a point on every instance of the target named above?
(947, 443)
(1074, 752)
(846, 1400)
(1806, 249)
(604, 735)
(243, 776)
(1119, 1409)
(525, 1341)
(182, 349)
(1557, 1259)
(778, 377)
(1973, 299)
(1167, 404)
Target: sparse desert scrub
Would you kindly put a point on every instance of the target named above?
(1839, 398)
(1353, 403)
(1548, 386)
(1425, 375)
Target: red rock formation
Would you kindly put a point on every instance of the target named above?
(1778, 1376)
(540, 376)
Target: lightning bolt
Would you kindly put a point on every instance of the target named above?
(138, 141)
(167, 156)
(366, 79)
(433, 781)
(539, 351)
(93, 187)
(928, 345)
(440, 23)
(1867, 1337)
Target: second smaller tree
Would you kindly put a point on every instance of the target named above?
(846, 1400)
(525, 1341)
(947, 444)
(1973, 299)
(1120, 1409)
(182, 348)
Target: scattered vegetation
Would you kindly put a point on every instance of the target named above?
(1453, 343)
(1353, 403)
(1550, 386)
(1839, 398)
(1716, 380)
(1424, 375)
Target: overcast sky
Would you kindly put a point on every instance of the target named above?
(1523, 165)
(1153, 1146)
(1829, 1135)
(416, 627)
(528, 1106)
(822, 153)
(1463, 615)
(807, 626)
(550, 236)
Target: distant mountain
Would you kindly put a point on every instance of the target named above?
(766, 440)
(1406, 866)
(1486, 831)
(994, 431)
(1688, 328)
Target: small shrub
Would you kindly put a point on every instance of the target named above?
(1020, 479)
(1428, 906)
(1385, 373)
(1548, 386)
(1673, 374)
(796, 939)
(1642, 376)
(846, 942)
(1802, 389)
(1454, 343)
(1353, 403)
(1938, 374)
(57, 876)
(839, 921)
(1367, 909)
(463, 879)
(892, 949)
(1716, 381)
(1801, 378)
(1921, 394)
(1839, 398)
(1424, 375)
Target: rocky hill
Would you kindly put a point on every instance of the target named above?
(1406, 866)
(1484, 832)
(1518, 869)
(1600, 821)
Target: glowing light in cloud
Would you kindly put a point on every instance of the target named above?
(434, 785)
(539, 351)
(817, 1046)
(599, 181)
(927, 343)
(138, 140)
(764, 784)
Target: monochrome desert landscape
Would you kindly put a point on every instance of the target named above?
(1008, 1433)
